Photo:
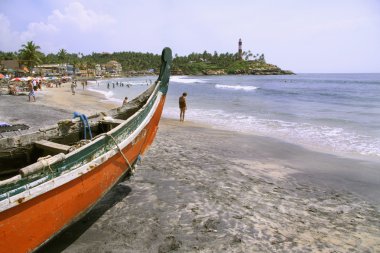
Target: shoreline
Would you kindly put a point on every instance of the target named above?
(347, 143)
(62, 105)
(85, 100)
(325, 149)
(204, 189)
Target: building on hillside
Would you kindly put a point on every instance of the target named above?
(113, 68)
(54, 70)
(14, 67)
(100, 70)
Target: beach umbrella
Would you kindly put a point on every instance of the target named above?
(28, 78)
(1, 76)
(17, 79)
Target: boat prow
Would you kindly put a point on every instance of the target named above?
(60, 176)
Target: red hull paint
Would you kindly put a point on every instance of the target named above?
(26, 226)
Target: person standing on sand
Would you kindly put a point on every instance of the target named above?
(73, 85)
(182, 107)
(31, 91)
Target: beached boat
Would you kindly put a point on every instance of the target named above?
(60, 176)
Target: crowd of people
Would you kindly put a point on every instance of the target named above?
(36, 84)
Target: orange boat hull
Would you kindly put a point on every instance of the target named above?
(27, 226)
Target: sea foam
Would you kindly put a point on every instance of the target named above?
(109, 95)
(183, 79)
(315, 136)
(235, 87)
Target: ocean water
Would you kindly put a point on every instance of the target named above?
(336, 113)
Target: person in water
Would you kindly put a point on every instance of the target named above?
(182, 107)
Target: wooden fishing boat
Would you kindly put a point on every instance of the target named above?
(47, 195)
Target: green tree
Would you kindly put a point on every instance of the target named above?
(8, 55)
(30, 54)
(62, 56)
(248, 55)
(262, 58)
(90, 66)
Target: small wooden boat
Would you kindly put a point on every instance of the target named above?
(47, 195)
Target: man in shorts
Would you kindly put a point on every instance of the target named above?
(182, 107)
(31, 91)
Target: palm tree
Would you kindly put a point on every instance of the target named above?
(90, 65)
(30, 54)
(62, 55)
(248, 55)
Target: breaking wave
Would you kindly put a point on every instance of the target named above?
(235, 87)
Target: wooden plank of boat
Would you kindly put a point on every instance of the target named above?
(112, 121)
(38, 204)
(52, 146)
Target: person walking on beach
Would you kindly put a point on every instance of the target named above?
(34, 85)
(31, 91)
(73, 86)
(182, 107)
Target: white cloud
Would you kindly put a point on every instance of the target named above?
(76, 15)
(62, 29)
(37, 29)
(296, 35)
(8, 37)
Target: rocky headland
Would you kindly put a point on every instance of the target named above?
(235, 68)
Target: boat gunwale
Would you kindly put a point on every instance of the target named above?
(34, 191)
(117, 128)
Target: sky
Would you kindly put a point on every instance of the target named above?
(324, 36)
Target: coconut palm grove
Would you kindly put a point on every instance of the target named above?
(30, 55)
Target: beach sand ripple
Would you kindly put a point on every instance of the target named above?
(205, 190)
(194, 192)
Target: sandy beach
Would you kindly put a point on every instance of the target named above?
(199, 189)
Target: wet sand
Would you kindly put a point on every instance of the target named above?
(204, 190)
(52, 104)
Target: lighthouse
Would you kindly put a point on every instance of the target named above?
(240, 51)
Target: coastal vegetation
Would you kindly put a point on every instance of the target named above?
(225, 63)
(193, 64)
(30, 55)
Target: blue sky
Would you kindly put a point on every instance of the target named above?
(324, 36)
